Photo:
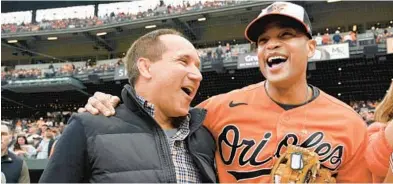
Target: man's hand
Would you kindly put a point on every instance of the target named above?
(101, 103)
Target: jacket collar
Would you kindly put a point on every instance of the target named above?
(128, 95)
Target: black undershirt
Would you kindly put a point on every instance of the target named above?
(315, 94)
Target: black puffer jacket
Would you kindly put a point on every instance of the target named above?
(129, 148)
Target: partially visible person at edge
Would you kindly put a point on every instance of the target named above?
(13, 167)
(254, 125)
(152, 138)
(380, 145)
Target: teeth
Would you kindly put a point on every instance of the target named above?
(189, 89)
(275, 57)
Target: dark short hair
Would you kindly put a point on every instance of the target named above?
(148, 46)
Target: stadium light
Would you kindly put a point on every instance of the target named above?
(150, 26)
(333, 1)
(12, 41)
(101, 34)
(339, 94)
(52, 38)
(202, 19)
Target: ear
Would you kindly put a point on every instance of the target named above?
(144, 67)
(311, 45)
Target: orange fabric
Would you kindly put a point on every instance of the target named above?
(250, 137)
(378, 152)
(389, 177)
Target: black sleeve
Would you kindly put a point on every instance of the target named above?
(68, 163)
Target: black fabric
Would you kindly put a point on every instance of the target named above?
(315, 94)
(129, 147)
(50, 145)
(11, 166)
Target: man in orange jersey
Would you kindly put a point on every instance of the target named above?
(253, 126)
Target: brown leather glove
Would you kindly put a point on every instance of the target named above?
(299, 165)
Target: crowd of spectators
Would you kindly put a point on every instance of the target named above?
(21, 74)
(226, 52)
(381, 37)
(35, 138)
(366, 109)
(160, 10)
(67, 69)
(351, 37)
(206, 54)
(327, 39)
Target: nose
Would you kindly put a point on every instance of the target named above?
(195, 74)
(273, 44)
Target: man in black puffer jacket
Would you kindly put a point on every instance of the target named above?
(154, 136)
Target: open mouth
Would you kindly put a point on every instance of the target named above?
(275, 60)
(186, 90)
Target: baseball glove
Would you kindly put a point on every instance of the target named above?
(299, 165)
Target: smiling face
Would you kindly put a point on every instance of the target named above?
(283, 52)
(175, 77)
(21, 141)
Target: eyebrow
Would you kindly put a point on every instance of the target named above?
(284, 29)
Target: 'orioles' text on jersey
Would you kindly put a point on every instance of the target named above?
(252, 131)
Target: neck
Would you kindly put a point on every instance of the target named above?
(163, 121)
(143, 92)
(294, 94)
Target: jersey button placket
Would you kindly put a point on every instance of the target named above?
(285, 118)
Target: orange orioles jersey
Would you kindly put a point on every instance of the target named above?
(252, 131)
